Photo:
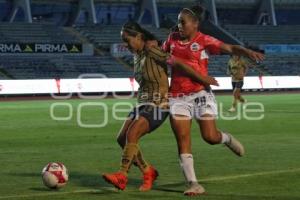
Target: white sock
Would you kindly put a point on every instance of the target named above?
(225, 138)
(187, 166)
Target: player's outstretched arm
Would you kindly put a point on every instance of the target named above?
(242, 51)
(190, 72)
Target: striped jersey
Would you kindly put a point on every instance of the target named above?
(237, 68)
(151, 73)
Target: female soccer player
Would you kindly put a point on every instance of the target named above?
(150, 71)
(194, 100)
(237, 68)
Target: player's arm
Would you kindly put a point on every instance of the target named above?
(242, 51)
(190, 72)
(164, 58)
(246, 70)
(228, 72)
(246, 65)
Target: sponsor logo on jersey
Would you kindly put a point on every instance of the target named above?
(195, 47)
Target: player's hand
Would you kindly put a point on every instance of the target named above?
(151, 43)
(256, 56)
(208, 80)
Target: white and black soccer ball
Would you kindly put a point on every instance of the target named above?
(55, 175)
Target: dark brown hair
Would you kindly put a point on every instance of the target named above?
(197, 12)
(133, 28)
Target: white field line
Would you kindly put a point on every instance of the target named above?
(220, 178)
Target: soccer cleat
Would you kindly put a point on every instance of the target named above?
(235, 146)
(118, 179)
(194, 189)
(232, 109)
(148, 178)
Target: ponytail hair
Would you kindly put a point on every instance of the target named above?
(133, 29)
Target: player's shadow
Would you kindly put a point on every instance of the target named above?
(87, 180)
(41, 189)
(169, 187)
(91, 181)
(95, 181)
(32, 175)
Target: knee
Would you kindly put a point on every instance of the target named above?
(212, 138)
(235, 94)
(121, 139)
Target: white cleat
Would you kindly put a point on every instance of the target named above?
(235, 146)
(194, 189)
(232, 109)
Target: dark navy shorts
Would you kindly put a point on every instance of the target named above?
(238, 84)
(154, 115)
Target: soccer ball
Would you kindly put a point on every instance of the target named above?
(55, 175)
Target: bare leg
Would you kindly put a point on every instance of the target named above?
(209, 131)
(212, 135)
(121, 139)
(137, 129)
(181, 126)
(139, 160)
(239, 96)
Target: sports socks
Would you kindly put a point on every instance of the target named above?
(129, 152)
(142, 164)
(187, 165)
(139, 161)
(225, 138)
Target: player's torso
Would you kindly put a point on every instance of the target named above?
(192, 54)
(237, 69)
(152, 79)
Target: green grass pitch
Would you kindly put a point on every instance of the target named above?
(30, 139)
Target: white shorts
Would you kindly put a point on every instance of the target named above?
(194, 105)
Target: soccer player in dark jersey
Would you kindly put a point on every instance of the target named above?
(190, 99)
(150, 71)
(237, 69)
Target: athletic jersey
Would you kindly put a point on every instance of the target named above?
(193, 54)
(237, 69)
(151, 73)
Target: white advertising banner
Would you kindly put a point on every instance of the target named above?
(94, 85)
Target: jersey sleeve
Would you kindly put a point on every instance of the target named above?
(229, 67)
(212, 44)
(166, 45)
(158, 54)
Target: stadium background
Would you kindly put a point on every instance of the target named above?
(46, 45)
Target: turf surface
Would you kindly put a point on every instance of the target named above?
(30, 139)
